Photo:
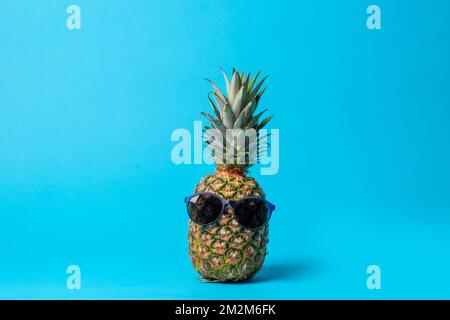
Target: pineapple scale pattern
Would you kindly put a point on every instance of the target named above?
(226, 251)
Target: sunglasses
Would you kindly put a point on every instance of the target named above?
(205, 208)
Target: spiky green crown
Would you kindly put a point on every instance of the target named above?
(236, 110)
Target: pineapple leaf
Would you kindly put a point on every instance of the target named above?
(217, 124)
(254, 121)
(258, 96)
(260, 114)
(264, 143)
(227, 82)
(214, 143)
(234, 86)
(237, 103)
(258, 86)
(244, 116)
(228, 117)
(264, 122)
(217, 90)
(219, 101)
(264, 136)
(216, 111)
(208, 116)
(246, 78)
(252, 82)
(251, 110)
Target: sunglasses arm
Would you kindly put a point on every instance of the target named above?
(271, 206)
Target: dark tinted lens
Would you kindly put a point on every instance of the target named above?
(251, 213)
(204, 208)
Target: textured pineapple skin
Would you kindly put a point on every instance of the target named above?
(226, 251)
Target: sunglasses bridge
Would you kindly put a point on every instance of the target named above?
(228, 203)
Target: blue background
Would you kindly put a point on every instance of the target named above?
(86, 117)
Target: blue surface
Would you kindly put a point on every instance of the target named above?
(85, 124)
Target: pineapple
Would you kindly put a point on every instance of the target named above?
(226, 251)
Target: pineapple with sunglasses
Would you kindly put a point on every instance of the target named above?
(228, 226)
